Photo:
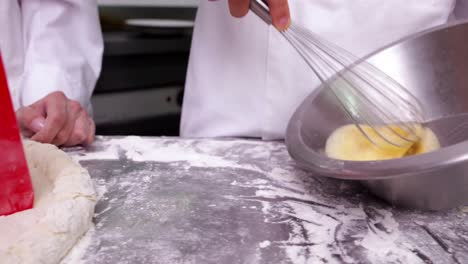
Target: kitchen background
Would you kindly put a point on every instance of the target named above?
(147, 44)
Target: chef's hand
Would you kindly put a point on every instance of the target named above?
(57, 120)
(279, 10)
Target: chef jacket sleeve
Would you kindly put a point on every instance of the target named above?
(63, 49)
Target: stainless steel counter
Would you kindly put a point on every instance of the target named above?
(170, 200)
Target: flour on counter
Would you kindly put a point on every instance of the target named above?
(195, 153)
(316, 237)
(382, 240)
(110, 152)
(216, 201)
(264, 244)
(101, 188)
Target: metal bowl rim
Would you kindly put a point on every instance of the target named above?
(368, 170)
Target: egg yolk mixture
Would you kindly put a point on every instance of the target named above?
(349, 143)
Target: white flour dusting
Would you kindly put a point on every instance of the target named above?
(383, 242)
(316, 227)
(101, 188)
(138, 149)
(264, 244)
(313, 240)
(110, 152)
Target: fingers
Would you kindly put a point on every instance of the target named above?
(239, 8)
(57, 120)
(83, 131)
(74, 110)
(55, 107)
(30, 120)
(279, 10)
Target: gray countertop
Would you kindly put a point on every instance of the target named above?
(170, 200)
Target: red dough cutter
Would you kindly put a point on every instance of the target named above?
(16, 191)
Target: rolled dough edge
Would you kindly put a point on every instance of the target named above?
(61, 216)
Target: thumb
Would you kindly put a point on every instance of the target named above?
(239, 8)
(280, 14)
(30, 119)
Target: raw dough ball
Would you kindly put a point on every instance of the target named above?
(63, 209)
(348, 143)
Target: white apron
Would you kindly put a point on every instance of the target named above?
(245, 80)
(11, 45)
(50, 45)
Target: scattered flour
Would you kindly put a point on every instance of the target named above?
(315, 239)
(383, 242)
(101, 188)
(138, 149)
(110, 152)
(264, 244)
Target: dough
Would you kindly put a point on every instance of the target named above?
(348, 143)
(63, 209)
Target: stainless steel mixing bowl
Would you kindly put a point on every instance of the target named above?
(434, 65)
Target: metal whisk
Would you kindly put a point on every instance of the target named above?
(371, 98)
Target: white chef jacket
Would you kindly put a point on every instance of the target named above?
(245, 80)
(50, 45)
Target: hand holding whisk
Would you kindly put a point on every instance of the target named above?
(381, 108)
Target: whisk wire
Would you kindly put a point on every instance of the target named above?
(312, 64)
(367, 95)
(350, 70)
(354, 62)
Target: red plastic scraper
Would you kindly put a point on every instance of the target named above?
(16, 191)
